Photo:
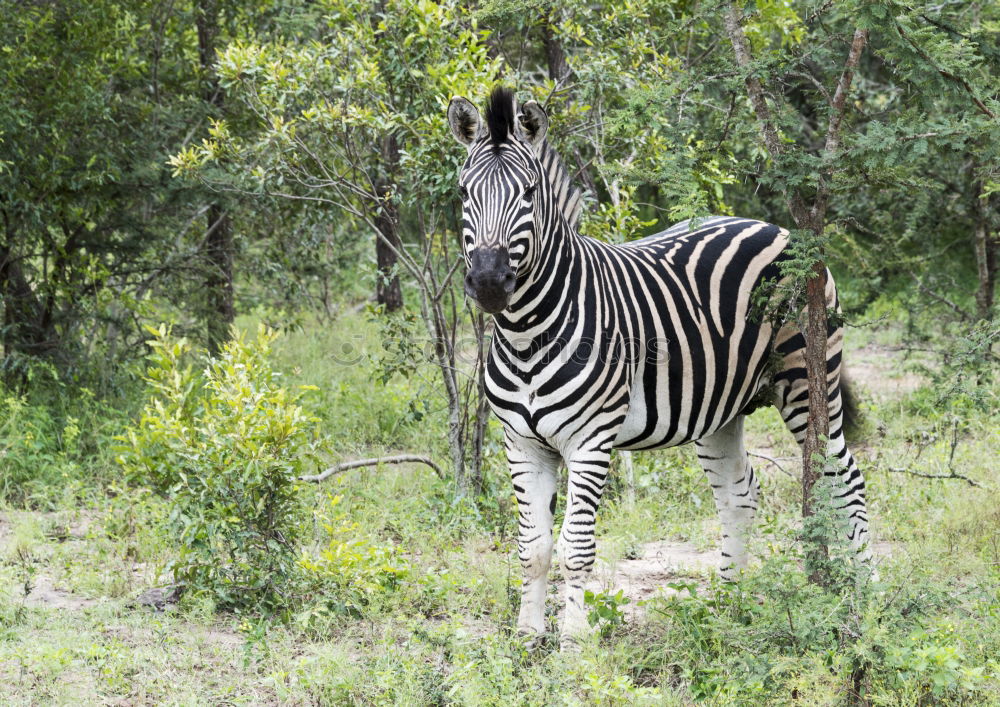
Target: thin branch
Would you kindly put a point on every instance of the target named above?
(807, 75)
(843, 86)
(755, 90)
(838, 107)
(945, 73)
(941, 299)
(774, 461)
(922, 475)
(357, 464)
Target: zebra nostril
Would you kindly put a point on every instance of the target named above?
(468, 280)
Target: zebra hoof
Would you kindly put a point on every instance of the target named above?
(570, 645)
(531, 640)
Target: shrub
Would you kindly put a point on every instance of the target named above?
(350, 570)
(225, 446)
(53, 443)
(848, 639)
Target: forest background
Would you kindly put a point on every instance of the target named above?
(228, 259)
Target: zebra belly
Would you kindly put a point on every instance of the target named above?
(654, 427)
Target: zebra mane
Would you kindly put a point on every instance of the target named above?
(500, 115)
(568, 196)
(500, 109)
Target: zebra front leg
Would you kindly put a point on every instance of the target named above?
(735, 488)
(588, 471)
(533, 472)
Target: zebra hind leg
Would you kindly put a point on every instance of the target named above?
(792, 401)
(735, 488)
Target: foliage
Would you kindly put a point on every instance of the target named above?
(401, 592)
(53, 442)
(755, 639)
(226, 446)
(606, 612)
(350, 570)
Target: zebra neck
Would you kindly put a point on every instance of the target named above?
(546, 287)
(568, 197)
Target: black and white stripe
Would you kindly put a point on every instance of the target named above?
(645, 345)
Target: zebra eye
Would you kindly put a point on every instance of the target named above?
(530, 191)
(463, 191)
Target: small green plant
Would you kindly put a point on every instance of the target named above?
(605, 612)
(936, 664)
(225, 446)
(350, 570)
(777, 630)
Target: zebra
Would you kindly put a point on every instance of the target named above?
(643, 345)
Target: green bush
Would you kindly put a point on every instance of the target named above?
(225, 446)
(53, 443)
(349, 570)
(849, 639)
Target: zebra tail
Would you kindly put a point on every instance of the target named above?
(853, 419)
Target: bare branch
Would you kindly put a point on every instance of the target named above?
(941, 299)
(357, 464)
(775, 461)
(951, 475)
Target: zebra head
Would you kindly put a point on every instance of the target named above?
(499, 184)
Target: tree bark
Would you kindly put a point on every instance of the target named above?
(818, 424)
(482, 412)
(555, 57)
(986, 244)
(219, 278)
(388, 291)
(219, 251)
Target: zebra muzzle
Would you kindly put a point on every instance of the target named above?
(490, 279)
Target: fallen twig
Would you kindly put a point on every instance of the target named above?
(922, 475)
(358, 463)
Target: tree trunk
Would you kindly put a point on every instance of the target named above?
(482, 412)
(388, 290)
(818, 423)
(555, 57)
(219, 278)
(812, 219)
(221, 310)
(21, 308)
(26, 330)
(987, 245)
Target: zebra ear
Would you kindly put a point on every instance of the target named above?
(464, 120)
(534, 122)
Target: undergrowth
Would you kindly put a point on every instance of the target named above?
(385, 589)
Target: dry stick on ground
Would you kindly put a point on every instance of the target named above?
(358, 463)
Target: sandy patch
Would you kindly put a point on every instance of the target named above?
(658, 564)
(883, 371)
